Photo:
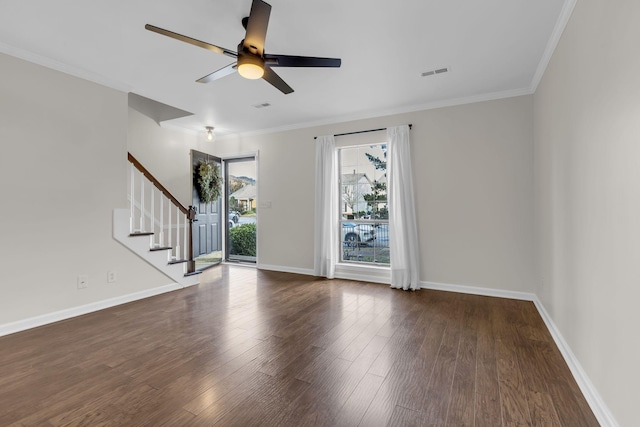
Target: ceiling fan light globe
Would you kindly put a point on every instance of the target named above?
(251, 71)
(250, 66)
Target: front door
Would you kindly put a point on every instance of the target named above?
(207, 229)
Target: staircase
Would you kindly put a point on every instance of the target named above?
(156, 227)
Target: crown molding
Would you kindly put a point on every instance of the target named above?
(63, 68)
(388, 112)
(561, 23)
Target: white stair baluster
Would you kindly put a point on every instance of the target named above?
(141, 203)
(153, 216)
(178, 233)
(132, 198)
(169, 240)
(161, 238)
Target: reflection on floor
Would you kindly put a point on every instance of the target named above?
(207, 260)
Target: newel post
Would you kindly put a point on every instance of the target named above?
(191, 216)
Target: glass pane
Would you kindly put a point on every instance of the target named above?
(241, 187)
(364, 208)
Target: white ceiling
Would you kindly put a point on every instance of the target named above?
(495, 48)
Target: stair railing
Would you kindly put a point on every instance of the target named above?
(157, 213)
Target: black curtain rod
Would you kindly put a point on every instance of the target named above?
(361, 131)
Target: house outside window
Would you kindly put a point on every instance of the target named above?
(364, 216)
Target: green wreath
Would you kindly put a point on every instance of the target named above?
(208, 181)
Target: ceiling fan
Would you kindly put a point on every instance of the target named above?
(251, 60)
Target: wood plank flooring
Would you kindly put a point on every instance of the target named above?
(256, 348)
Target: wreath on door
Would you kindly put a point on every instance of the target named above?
(208, 181)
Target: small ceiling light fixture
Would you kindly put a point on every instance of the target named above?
(250, 66)
(209, 132)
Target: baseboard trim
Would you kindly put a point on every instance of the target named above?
(363, 273)
(474, 290)
(362, 278)
(45, 319)
(283, 269)
(348, 275)
(597, 405)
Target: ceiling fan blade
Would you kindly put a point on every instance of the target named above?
(257, 27)
(204, 45)
(218, 74)
(301, 61)
(276, 81)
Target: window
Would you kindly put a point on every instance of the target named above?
(364, 219)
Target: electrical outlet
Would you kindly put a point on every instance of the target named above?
(83, 281)
(111, 276)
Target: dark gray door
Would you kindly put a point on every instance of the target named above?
(207, 230)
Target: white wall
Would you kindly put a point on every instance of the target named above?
(587, 168)
(62, 172)
(165, 152)
(285, 169)
(473, 168)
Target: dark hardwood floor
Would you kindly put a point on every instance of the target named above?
(255, 348)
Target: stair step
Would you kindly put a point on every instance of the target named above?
(177, 261)
(162, 248)
(123, 233)
(193, 273)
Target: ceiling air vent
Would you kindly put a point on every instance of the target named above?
(262, 105)
(437, 71)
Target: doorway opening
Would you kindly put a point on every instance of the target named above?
(241, 199)
(207, 226)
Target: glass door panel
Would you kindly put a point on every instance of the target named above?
(241, 189)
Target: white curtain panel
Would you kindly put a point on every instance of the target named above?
(326, 208)
(403, 229)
